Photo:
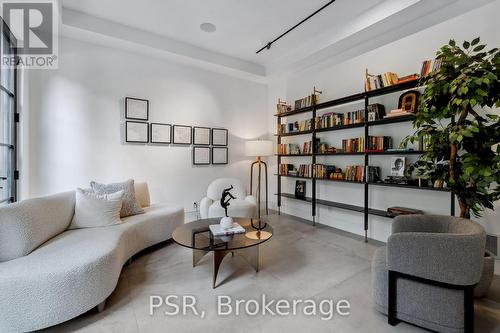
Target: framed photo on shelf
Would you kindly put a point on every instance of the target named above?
(398, 165)
(300, 189)
(182, 135)
(136, 132)
(201, 155)
(219, 137)
(201, 136)
(219, 155)
(136, 109)
(161, 133)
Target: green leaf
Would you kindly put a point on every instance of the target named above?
(452, 42)
(466, 45)
(475, 41)
(479, 48)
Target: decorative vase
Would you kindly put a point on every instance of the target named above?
(226, 223)
(487, 275)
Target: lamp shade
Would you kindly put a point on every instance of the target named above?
(259, 148)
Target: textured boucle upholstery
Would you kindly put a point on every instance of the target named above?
(76, 270)
(439, 248)
(242, 206)
(26, 225)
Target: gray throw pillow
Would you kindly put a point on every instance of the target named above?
(130, 204)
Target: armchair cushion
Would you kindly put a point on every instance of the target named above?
(237, 208)
(215, 189)
(439, 250)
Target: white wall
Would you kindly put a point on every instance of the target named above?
(76, 122)
(336, 80)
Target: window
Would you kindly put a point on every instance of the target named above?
(8, 132)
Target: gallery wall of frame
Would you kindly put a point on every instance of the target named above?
(209, 145)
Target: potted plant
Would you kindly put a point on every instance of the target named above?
(455, 115)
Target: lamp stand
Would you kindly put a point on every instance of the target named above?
(259, 234)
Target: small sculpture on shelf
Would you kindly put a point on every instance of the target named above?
(226, 222)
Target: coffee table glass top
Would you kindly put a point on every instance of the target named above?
(196, 235)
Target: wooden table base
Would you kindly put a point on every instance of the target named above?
(250, 254)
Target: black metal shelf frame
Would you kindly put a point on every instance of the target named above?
(365, 209)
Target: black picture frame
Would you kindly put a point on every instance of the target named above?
(216, 131)
(178, 141)
(203, 143)
(127, 116)
(197, 148)
(300, 189)
(216, 162)
(128, 130)
(151, 131)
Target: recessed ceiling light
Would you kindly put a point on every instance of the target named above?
(208, 27)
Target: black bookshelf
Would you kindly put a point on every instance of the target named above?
(365, 209)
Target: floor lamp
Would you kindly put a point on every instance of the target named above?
(259, 149)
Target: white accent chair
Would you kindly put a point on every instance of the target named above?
(243, 206)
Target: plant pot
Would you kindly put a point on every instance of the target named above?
(487, 275)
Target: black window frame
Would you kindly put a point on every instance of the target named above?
(12, 174)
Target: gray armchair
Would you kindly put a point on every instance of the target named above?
(427, 272)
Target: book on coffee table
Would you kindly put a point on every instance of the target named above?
(218, 231)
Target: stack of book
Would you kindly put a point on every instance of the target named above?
(306, 102)
(307, 148)
(283, 107)
(398, 113)
(305, 170)
(355, 145)
(322, 171)
(287, 169)
(429, 66)
(354, 173)
(288, 149)
(408, 78)
(333, 119)
(396, 211)
(298, 126)
(373, 82)
(217, 230)
(378, 143)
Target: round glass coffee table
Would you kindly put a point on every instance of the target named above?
(198, 237)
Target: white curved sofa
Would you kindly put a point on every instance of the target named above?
(75, 270)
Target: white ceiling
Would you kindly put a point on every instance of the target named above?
(244, 26)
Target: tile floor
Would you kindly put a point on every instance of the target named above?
(300, 261)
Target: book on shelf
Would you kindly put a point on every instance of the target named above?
(429, 66)
(408, 78)
(332, 119)
(307, 101)
(377, 81)
(297, 126)
(354, 173)
(283, 107)
(305, 170)
(217, 230)
(355, 145)
(378, 143)
(396, 211)
(287, 169)
(288, 149)
(398, 113)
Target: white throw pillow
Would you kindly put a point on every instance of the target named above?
(92, 210)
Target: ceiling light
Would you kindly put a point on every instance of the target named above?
(208, 27)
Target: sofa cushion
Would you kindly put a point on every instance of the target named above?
(130, 204)
(26, 225)
(142, 194)
(93, 210)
